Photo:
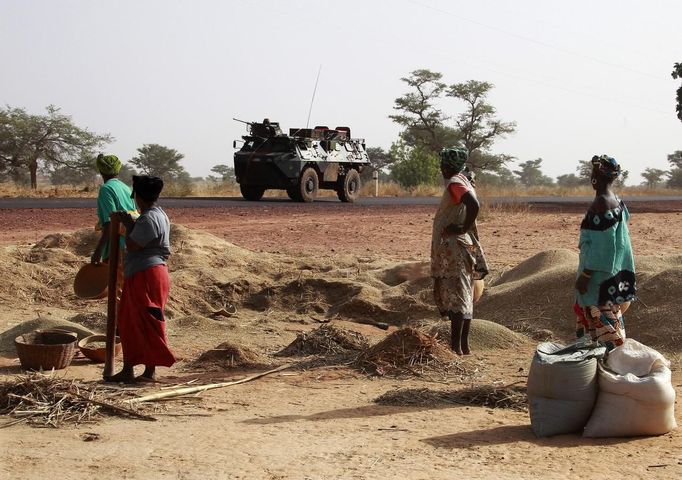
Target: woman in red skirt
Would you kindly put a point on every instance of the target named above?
(141, 321)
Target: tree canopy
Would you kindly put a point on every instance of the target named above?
(675, 173)
(653, 177)
(570, 180)
(225, 173)
(425, 124)
(530, 174)
(477, 125)
(414, 165)
(160, 161)
(51, 141)
(677, 73)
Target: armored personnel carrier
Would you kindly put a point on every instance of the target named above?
(302, 162)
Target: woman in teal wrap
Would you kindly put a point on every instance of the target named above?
(606, 271)
(114, 196)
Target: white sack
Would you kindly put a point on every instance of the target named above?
(631, 405)
(634, 357)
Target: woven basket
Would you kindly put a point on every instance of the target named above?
(46, 349)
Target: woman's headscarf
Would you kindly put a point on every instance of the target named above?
(454, 158)
(108, 164)
(606, 166)
(146, 187)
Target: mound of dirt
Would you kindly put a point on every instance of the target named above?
(483, 335)
(402, 349)
(325, 340)
(7, 337)
(537, 296)
(540, 264)
(95, 321)
(229, 355)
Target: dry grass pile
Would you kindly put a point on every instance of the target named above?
(483, 335)
(7, 337)
(403, 350)
(46, 400)
(229, 355)
(512, 397)
(325, 340)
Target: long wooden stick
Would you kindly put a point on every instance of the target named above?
(201, 388)
(114, 252)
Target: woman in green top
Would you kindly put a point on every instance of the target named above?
(114, 196)
(606, 270)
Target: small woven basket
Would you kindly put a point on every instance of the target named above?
(46, 349)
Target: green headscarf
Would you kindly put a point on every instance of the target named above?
(454, 158)
(108, 164)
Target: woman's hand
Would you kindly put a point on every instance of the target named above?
(125, 218)
(581, 284)
(96, 257)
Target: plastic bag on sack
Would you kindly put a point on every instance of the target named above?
(634, 357)
(562, 386)
(631, 405)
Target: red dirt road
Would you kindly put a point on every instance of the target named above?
(509, 234)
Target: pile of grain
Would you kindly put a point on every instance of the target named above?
(229, 355)
(483, 335)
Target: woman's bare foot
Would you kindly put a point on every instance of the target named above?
(149, 374)
(126, 375)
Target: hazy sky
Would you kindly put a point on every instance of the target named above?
(579, 77)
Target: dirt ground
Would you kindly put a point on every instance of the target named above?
(510, 233)
(322, 423)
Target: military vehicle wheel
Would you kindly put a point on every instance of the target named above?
(308, 185)
(251, 192)
(349, 186)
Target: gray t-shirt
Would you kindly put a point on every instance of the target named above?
(152, 232)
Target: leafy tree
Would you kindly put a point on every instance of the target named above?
(421, 119)
(653, 176)
(677, 73)
(502, 177)
(160, 161)
(675, 173)
(53, 141)
(225, 173)
(126, 174)
(73, 176)
(480, 161)
(570, 180)
(584, 170)
(530, 174)
(380, 161)
(424, 124)
(477, 124)
(414, 165)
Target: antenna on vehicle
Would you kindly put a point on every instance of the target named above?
(313, 99)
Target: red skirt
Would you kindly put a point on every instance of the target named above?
(141, 321)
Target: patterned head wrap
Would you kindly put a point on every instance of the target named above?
(606, 166)
(146, 187)
(108, 164)
(454, 158)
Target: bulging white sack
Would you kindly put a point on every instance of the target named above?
(632, 405)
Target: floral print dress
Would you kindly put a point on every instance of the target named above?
(456, 260)
(606, 250)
